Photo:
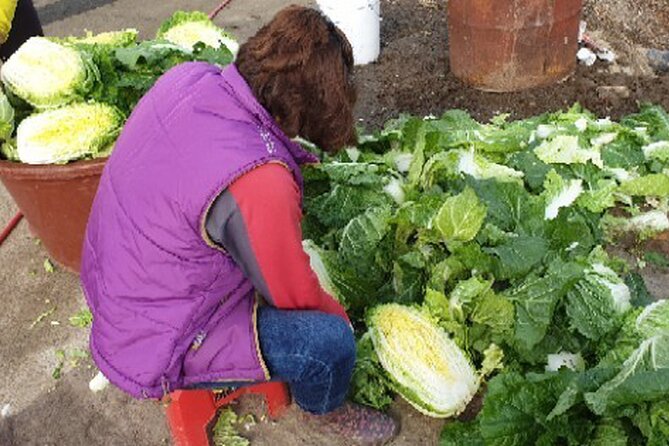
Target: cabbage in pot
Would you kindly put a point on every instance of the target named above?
(47, 74)
(75, 131)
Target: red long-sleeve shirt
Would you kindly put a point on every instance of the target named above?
(257, 220)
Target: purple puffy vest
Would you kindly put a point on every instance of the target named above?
(170, 308)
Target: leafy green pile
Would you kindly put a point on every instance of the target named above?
(111, 70)
(497, 231)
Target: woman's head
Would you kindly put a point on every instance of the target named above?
(299, 67)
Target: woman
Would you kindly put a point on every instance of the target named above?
(197, 221)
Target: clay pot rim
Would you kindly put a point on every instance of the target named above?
(49, 172)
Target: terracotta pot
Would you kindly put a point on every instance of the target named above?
(509, 45)
(56, 201)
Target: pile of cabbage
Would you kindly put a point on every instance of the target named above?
(65, 99)
(471, 258)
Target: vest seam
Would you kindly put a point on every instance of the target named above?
(140, 232)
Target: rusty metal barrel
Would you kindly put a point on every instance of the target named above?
(510, 45)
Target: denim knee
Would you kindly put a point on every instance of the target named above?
(335, 344)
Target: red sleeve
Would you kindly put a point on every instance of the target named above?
(268, 200)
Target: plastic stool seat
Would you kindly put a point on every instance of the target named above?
(191, 412)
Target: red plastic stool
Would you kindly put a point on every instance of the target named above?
(190, 412)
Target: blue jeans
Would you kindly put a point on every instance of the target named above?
(312, 351)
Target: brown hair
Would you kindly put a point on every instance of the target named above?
(299, 67)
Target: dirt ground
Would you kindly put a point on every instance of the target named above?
(412, 75)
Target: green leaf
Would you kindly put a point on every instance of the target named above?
(624, 152)
(560, 193)
(468, 291)
(654, 319)
(644, 377)
(416, 166)
(599, 199)
(437, 304)
(481, 168)
(457, 433)
(572, 233)
(471, 257)
(534, 169)
(338, 207)
(590, 309)
(495, 312)
(565, 149)
(493, 360)
(57, 372)
(657, 151)
(441, 166)
(409, 278)
(82, 319)
(354, 174)
(460, 217)
(609, 432)
(641, 297)
(362, 235)
(659, 422)
(652, 117)
(536, 298)
(581, 383)
(48, 266)
(654, 185)
(6, 118)
(445, 272)
(510, 207)
(516, 407)
(225, 430)
(369, 385)
(518, 255)
(415, 216)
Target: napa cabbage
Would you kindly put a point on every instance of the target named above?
(186, 29)
(68, 133)
(121, 38)
(47, 74)
(425, 366)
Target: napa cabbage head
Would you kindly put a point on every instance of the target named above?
(186, 29)
(425, 366)
(68, 133)
(47, 74)
(121, 38)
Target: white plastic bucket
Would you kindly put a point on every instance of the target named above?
(360, 21)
